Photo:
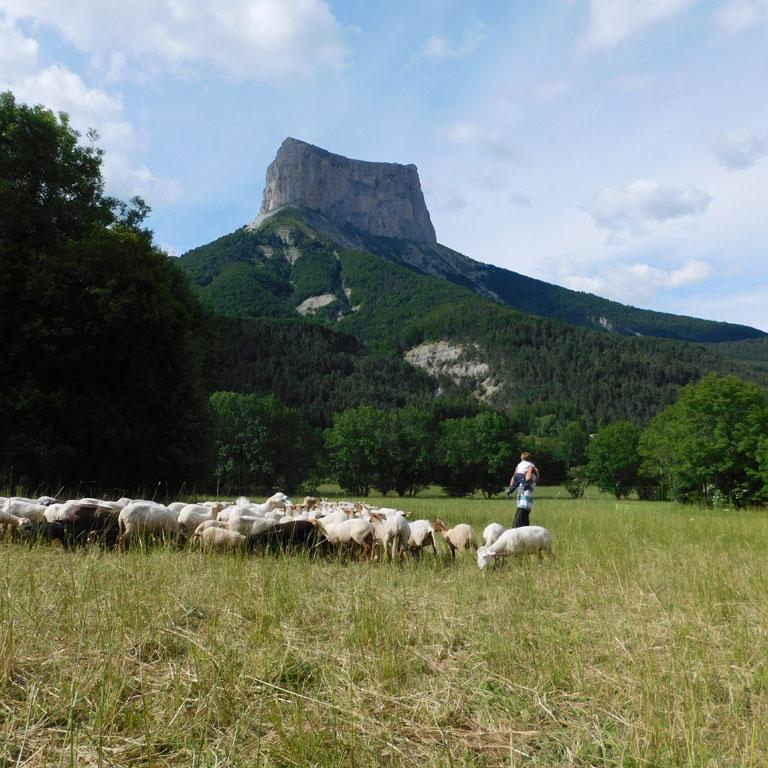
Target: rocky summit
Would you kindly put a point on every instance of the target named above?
(382, 199)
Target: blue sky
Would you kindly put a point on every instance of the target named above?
(613, 146)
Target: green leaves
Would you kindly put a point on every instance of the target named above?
(612, 458)
(710, 444)
(105, 346)
(261, 444)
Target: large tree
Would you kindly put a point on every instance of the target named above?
(104, 345)
(612, 458)
(262, 444)
(710, 444)
(476, 453)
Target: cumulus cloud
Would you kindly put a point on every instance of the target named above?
(740, 149)
(627, 211)
(612, 21)
(488, 140)
(637, 282)
(737, 15)
(439, 48)
(62, 90)
(261, 40)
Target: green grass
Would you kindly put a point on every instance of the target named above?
(642, 644)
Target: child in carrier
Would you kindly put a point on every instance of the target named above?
(524, 474)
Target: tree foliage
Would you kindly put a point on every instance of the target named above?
(475, 453)
(612, 459)
(261, 444)
(104, 343)
(710, 443)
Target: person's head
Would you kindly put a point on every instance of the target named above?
(525, 456)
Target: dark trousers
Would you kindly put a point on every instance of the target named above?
(522, 517)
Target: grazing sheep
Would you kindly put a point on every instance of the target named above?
(220, 540)
(21, 507)
(177, 506)
(491, 532)
(208, 524)
(422, 535)
(191, 515)
(75, 523)
(145, 517)
(14, 522)
(459, 538)
(393, 532)
(243, 505)
(355, 532)
(299, 535)
(247, 524)
(529, 539)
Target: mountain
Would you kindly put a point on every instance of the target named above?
(285, 278)
(380, 208)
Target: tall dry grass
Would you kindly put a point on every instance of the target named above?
(642, 644)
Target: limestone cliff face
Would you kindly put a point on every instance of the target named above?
(379, 198)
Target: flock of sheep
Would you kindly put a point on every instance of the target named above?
(315, 525)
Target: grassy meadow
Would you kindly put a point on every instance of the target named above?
(645, 643)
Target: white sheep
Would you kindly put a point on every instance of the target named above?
(208, 524)
(177, 506)
(491, 532)
(529, 539)
(191, 515)
(145, 517)
(422, 535)
(248, 525)
(356, 531)
(14, 521)
(19, 506)
(393, 532)
(459, 538)
(220, 540)
(276, 501)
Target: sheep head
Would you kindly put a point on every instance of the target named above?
(483, 558)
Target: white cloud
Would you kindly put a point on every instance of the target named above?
(737, 15)
(740, 149)
(439, 48)
(627, 211)
(488, 140)
(62, 90)
(18, 53)
(637, 282)
(612, 21)
(261, 40)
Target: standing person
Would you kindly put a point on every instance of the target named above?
(524, 502)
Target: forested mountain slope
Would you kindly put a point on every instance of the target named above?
(518, 363)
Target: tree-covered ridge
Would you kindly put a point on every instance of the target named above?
(292, 255)
(751, 353)
(538, 297)
(578, 308)
(311, 367)
(541, 368)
